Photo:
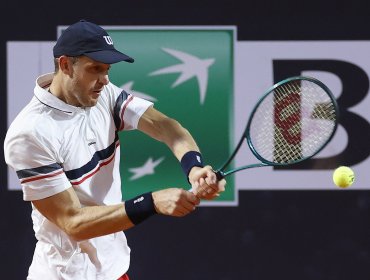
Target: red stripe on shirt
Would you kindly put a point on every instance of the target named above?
(41, 177)
(97, 169)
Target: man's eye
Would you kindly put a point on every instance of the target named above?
(100, 69)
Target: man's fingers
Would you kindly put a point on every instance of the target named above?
(211, 184)
(211, 176)
(175, 202)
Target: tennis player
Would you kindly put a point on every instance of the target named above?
(64, 148)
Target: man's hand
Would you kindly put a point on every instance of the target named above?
(205, 184)
(174, 202)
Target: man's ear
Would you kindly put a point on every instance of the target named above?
(65, 64)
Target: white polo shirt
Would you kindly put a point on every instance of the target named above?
(54, 146)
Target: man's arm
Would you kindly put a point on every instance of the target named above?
(64, 210)
(179, 140)
(167, 130)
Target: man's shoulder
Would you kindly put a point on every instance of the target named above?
(31, 123)
(111, 93)
(25, 118)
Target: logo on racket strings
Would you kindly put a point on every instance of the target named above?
(288, 117)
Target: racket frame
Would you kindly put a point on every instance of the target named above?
(246, 134)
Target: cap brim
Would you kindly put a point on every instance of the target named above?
(109, 56)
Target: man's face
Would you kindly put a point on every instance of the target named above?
(86, 81)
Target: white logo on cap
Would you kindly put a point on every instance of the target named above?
(108, 39)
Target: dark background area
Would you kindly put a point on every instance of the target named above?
(271, 234)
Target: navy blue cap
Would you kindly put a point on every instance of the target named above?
(89, 39)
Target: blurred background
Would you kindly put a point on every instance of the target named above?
(308, 229)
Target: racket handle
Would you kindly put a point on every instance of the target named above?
(220, 175)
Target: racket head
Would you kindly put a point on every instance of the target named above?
(293, 121)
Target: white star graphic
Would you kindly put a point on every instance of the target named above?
(192, 66)
(146, 169)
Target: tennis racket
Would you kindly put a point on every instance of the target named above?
(293, 121)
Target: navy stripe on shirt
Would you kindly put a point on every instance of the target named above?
(97, 157)
(117, 108)
(42, 170)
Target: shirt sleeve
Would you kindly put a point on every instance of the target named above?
(40, 174)
(126, 107)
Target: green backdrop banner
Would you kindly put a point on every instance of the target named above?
(188, 74)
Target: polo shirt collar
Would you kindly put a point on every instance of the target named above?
(45, 97)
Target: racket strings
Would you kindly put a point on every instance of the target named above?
(293, 122)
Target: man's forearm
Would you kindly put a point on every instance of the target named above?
(94, 221)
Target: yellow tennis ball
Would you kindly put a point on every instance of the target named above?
(343, 176)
